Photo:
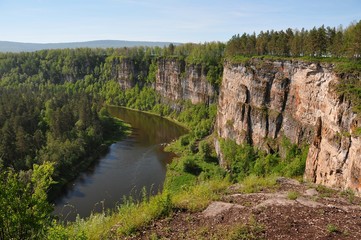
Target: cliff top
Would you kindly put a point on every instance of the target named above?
(342, 65)
(287, 210)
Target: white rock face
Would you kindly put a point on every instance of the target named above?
(175, 81)
(262, 101)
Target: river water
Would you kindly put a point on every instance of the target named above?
(134, 163)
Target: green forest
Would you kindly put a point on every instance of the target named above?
(54, 122)
(316, 42)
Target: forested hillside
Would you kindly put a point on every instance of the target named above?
(316, 42)
(53, 120)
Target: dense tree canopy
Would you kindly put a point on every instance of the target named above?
(316, 42)
(24, 209)
(52, 120)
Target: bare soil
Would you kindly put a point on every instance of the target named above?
(293, 211)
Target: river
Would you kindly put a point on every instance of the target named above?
(136, 162)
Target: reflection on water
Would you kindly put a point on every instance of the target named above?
(136, 162)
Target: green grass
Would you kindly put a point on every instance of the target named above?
(342, 65)
(293, 195)
(351, 89)
(349, 194)
(251, 230)
(346, 66)
(253, 183)
(240, 59)
(115, 129)
(132, 216)
(331, 228)
(126, 220)
(198, 197)
(325, 191)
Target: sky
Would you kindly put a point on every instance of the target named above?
(53, 21)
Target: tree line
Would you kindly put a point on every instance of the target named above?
(316, 42)
(51, 103)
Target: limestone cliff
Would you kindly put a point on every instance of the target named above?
(177, 81)
(261, 101)
(127, 73)
(174, 79)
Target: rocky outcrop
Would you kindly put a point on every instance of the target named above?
(127, 73)
(262, 101)
(174, 79)
(177, 81)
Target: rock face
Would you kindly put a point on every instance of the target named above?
(176, 81)
(127, 73)
(262, 101)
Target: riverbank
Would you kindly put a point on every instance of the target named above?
(174, 120)
(133, 165)
(195, 184)
(114, 130)
(182, 190)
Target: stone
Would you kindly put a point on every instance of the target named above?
(311, 192)
(290, 181)
(177, 81)
(216, 208)
(270, 99)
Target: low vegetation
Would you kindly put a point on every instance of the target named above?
(293, 195)
(244, 160)
(193, 180)
(333, 229)
(53, 123)
(251, 230)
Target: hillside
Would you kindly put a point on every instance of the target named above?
(7, 46)
(251, 116)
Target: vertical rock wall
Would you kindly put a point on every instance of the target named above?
(262, 101)
(125, 71)
(174, 80)
(177, 81)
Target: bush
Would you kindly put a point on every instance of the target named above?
(24, 209)
(293, 195)
(191, 166)
(184, 140)
(253, 183)
(244, 160)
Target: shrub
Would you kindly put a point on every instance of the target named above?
(251, 230)
(243, 160)
(254, 183)
(293, 195)
(191, 166)
(333, 228)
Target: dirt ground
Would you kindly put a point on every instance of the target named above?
(293, 211)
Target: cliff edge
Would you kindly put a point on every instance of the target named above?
(262, 101)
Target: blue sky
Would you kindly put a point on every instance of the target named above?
(164, 20)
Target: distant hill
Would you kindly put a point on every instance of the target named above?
(6, 46)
